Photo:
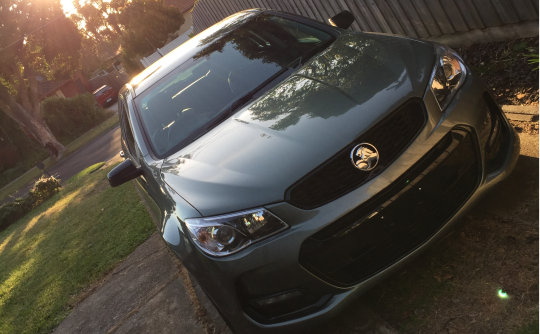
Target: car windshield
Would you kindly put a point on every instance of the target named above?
(101, 91)
(180, 106)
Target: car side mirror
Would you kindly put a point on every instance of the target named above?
(124, 172)
(342, 20)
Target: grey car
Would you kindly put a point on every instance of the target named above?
(293, 164)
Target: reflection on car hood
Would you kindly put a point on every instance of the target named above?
(253, 157)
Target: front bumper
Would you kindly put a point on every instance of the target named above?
(272, 266)
(111, 98)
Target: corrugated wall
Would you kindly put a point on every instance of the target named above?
(415, 18)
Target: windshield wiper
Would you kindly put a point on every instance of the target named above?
(316, 49)
(243, 100)
(235, 105)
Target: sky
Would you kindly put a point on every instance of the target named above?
(68, 6)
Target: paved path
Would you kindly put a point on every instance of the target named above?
(147, 293)
(99, 149)
(113, 107)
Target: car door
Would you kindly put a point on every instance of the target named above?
(136, 151)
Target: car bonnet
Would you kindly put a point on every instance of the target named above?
(250, 159)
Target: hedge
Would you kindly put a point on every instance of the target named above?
(44, 188)
(69, 118)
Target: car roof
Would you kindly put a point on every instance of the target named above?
(100, 88)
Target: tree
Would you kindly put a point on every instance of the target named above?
(99, 13)
(36, 38)
(90, 60)
(95, 22)
(110, 11)
(147, 21)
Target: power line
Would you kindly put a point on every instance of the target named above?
(38, 29)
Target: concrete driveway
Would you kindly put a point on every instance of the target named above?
(113, 107)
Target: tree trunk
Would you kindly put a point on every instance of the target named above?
(34, 124)
(114, 23)
(32, 82)
(105, 46)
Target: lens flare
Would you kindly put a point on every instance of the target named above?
(502, 294)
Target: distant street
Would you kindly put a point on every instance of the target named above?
(98, 150)
(113, 107)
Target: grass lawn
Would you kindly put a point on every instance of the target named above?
(34, 172)
(69, 242)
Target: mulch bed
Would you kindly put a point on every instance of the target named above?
(530, 128)
(504, 68)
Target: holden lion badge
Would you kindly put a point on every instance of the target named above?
(364, 157)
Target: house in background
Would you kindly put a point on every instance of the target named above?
(185, 7)
(111, 58)
(64, 88)
(183, 34)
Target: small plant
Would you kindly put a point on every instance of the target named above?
(44, 189)
(533, 59)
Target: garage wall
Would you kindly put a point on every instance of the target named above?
(414, 18)
(69, 89)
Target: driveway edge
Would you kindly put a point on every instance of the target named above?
(208, 317)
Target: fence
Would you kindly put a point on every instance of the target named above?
(415, 18)
(147, 61)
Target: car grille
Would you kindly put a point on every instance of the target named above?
(337, 176)
(397, 220)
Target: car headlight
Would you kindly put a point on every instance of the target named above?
(227, 234)
(450, 73)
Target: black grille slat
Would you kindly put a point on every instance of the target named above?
(345, 253)
(337, 176)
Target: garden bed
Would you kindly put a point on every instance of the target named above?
(505, 69)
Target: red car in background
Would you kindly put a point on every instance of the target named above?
(105, 95)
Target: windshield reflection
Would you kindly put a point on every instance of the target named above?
(343, 77)
(229, 63)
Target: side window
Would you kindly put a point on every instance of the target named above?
(127, 135)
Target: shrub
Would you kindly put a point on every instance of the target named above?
(69, 118)
(44, 189)
(11, 212)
